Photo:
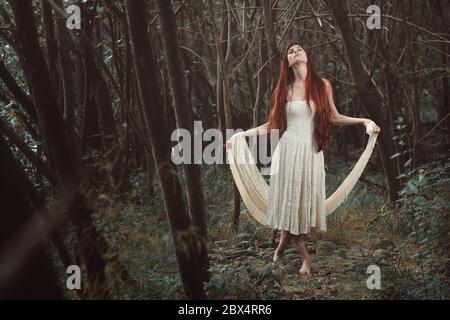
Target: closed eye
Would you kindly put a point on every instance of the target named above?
(291, 50)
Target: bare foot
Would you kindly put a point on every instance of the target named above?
(305, 270)
(276, 256)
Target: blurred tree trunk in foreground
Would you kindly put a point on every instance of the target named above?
(183, 233)
(183, 112)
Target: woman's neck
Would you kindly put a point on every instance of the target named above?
(300, 72)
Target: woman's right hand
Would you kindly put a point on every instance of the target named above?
(229, 143)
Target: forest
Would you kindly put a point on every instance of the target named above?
(93, 205)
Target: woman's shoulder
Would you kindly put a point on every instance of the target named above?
(326, 81)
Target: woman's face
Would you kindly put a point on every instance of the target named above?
(296, 55)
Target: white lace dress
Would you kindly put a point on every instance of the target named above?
(296, 196)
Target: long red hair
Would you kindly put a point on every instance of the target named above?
(315, 92)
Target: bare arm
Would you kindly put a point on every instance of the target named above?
(337, 118)
(250, 132)
(256, 131)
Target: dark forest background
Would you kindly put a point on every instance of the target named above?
(86, 176)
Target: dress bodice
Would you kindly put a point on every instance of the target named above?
(300, 119)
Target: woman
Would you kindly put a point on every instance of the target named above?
(302, 108)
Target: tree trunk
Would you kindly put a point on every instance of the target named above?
(50, 42)
(183, 113)
(14, 138)
(30, 192)
(98, 87)
(369, 98)
(445, 104)
(270, 42)
(261, 88)
(90, 131)
(28, 273)
(444, 110)
(183, 235)
(66, 163)
(66, 66)
(223, 74)
(17, 92)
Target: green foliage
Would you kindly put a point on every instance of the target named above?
(424, 223)
(243, 282)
